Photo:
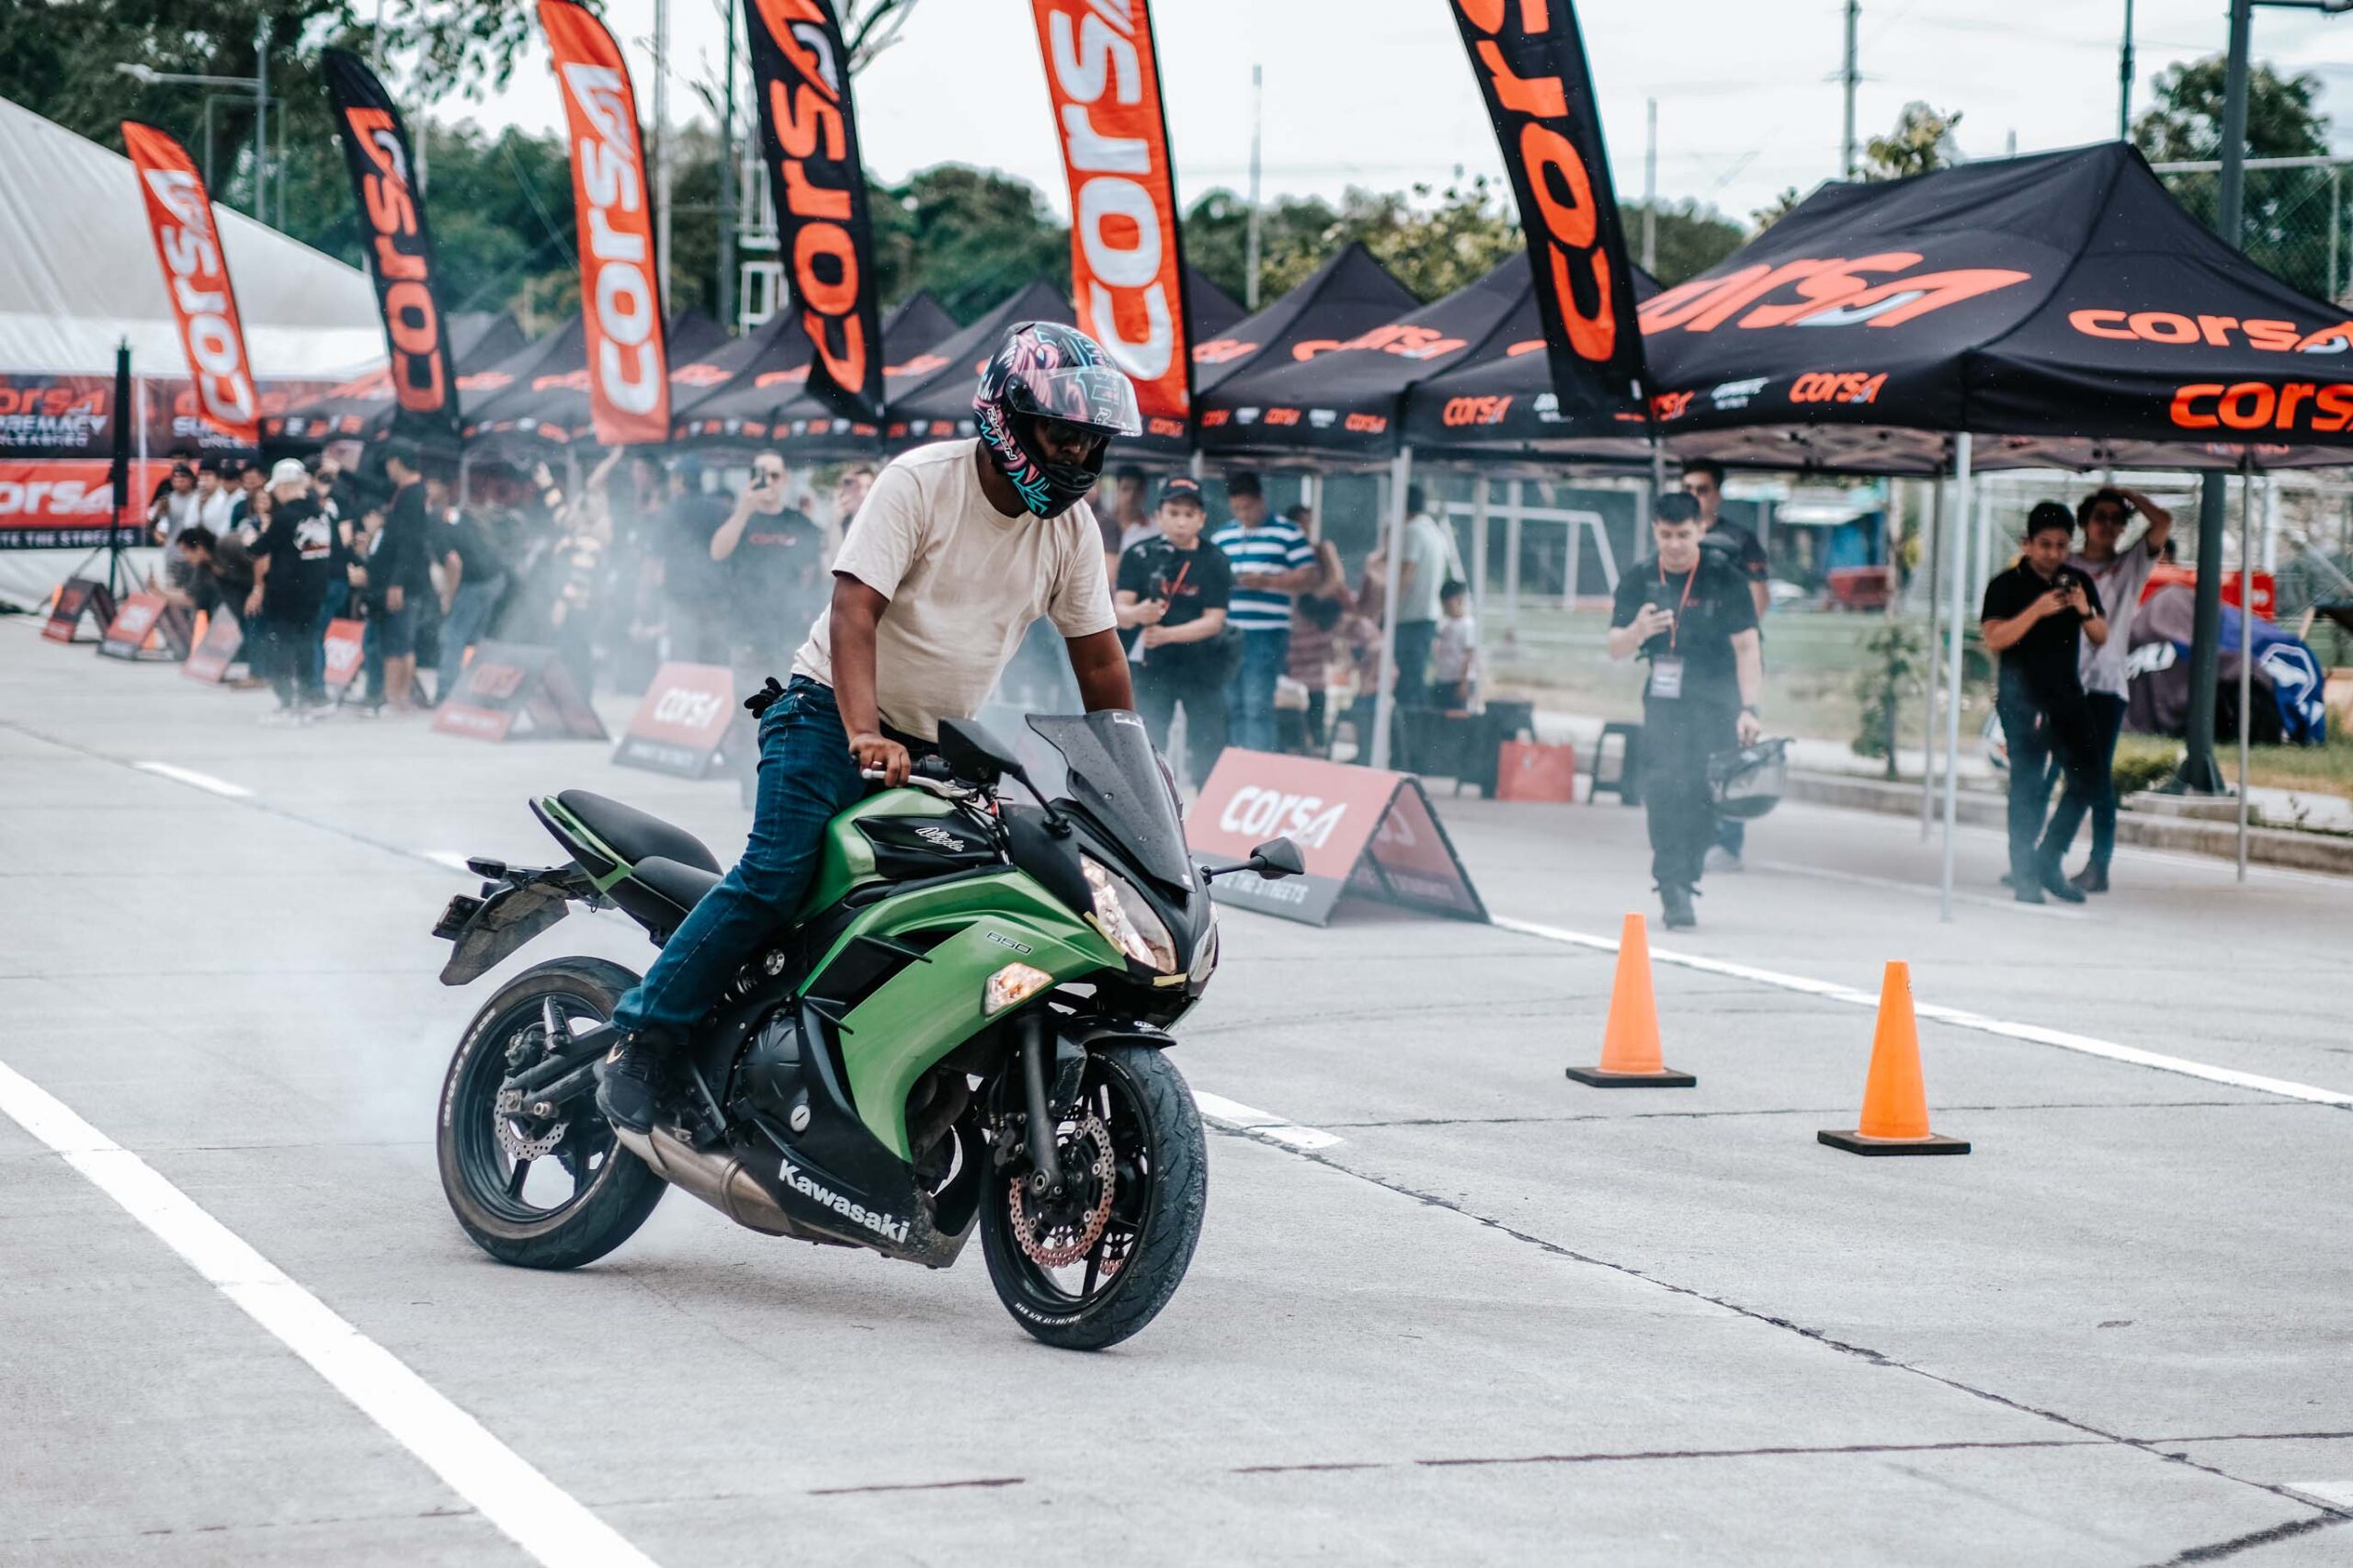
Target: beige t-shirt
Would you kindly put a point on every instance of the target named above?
(964, 581)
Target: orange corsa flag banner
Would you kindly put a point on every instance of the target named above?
(621, 303)
(1127, 262)
(1529, 58)
(809, 141)
(400, 250)
(196, 275)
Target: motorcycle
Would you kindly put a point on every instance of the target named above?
(966, 1024)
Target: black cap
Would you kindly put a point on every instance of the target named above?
(1181, 488)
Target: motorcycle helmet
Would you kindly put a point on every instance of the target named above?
(1045, 370)
(1748, 782)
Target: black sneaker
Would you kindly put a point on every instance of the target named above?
(627, 1083)
(2093, 877)
(1676, 904)
(2055, 883)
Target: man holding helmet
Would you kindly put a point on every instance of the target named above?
(1688, 611)
(958, 549)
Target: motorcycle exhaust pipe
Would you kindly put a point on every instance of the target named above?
(719, 1178)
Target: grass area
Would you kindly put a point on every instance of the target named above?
(2320, 770)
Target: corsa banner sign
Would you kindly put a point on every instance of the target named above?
(683, 721)
(1530, 60)
(196, 275)
(620, 305)
(809, 141)
(400, 250)
(1361, 831)
(1127, 264)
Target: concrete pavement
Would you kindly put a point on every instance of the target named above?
(1502, 1318)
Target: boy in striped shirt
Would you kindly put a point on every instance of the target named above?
(1272, 561)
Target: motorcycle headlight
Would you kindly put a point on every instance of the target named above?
(1128, 920)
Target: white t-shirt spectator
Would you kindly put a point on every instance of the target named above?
(1454, 653)
(964, 581)
(1430, 552)
(2119, 584)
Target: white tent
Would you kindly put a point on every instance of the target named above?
(82, 277)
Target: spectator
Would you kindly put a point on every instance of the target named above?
(2036, 615)
(1427, 565)
(291, 568)
(1315, 620)
(850, 494)
(1124, 521)
(2117, 577)
(220, 574)
(399, 575)
(213, 503)
(171, 513)
(473, 581)
(1454, 657)
(1703, 481)
(693, 584)
(1171, 602)
(576, 569)
(251, 491)
(776, 580)
(1271, 561)
(1686, 611)
(366, 534)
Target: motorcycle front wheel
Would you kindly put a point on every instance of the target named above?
(553, 1192)
(1089, 1268)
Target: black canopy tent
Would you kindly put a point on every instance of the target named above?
(552, 405)
(358, 410)
(910, 332)
(739, 382)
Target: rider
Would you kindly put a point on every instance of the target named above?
(959, 545)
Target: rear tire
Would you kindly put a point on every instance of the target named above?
(1161, 1196)
(612, 1189)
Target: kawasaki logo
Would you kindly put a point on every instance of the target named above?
(938, 837)
(881, 1225)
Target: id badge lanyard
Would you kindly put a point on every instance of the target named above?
(1666, 674)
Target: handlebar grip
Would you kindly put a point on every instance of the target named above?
(933, 767)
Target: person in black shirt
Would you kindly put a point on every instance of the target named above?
(1171, 600)
(1703, 481)
(473, 578)
(777, 582)
(222, 573)
(399, 575)
(1688, 611)
(293, 561)
(2036, 615)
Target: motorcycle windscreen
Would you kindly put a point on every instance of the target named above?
(1116, 776)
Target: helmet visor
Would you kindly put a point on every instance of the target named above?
(1097, 396)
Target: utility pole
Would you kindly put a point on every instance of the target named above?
(1854, 78)
(1250, 244)
(261, 124)
(1649, 195)
(2124, 82)
(661, 145)
(727, 182)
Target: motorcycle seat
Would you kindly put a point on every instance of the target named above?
(637, 836)
(679, 887)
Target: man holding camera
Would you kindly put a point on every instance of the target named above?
(2037, 617)
(1171, 601)
(1688, 611)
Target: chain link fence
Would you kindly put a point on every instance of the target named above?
(2298, 217)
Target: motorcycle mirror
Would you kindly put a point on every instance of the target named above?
(1278, 858)
(966, 745)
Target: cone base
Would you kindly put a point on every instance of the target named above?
(1863, 1143)
(1603, 1078)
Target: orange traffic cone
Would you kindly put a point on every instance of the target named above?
(1630, 1041)
(1895, 1103)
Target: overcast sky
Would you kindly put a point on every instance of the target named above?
(1378, 92)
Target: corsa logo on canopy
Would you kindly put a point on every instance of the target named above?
(809, 138)
(196, 275)
(2320, 408)
(1127, 266)
(1830, 293)
(1529, 58)
(2214, 332)
(629, 392)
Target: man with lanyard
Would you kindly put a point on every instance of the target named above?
(960, 546)
(2117, 577)
(1689, 612)
(2037, 615)
(1171, 596)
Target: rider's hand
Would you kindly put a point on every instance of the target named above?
(876, 754)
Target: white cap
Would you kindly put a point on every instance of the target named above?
(290, 471)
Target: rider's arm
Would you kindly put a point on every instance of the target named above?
(1097, 659)
(856, 611)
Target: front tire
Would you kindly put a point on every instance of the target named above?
(1136, 1255)
(584, 1195)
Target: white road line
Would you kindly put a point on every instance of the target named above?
(201, 781)
(1258, 1123)
(1925, 890)
(2033, 1033)
(2336, 1493)
(532, 1510)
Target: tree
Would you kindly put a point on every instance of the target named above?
(1921, 144)
(1773, 211)
(2286, 212)
(972, 236)
(1434, 243)
(1691, 238)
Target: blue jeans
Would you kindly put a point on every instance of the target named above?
(2049, 734)
(469, 617)
(2106, 721)
(1413, 639)
(807, 777)
(1250, 694)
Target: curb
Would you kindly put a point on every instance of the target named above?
(2326, 853)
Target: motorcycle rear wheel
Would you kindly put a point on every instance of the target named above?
(1160, 1192)
(589, 1194)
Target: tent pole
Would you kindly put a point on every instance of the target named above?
(1384, 706)
(1928, 688)
(1479, 549)
(1962, 456)
(2247, 639)
(1511, 554)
